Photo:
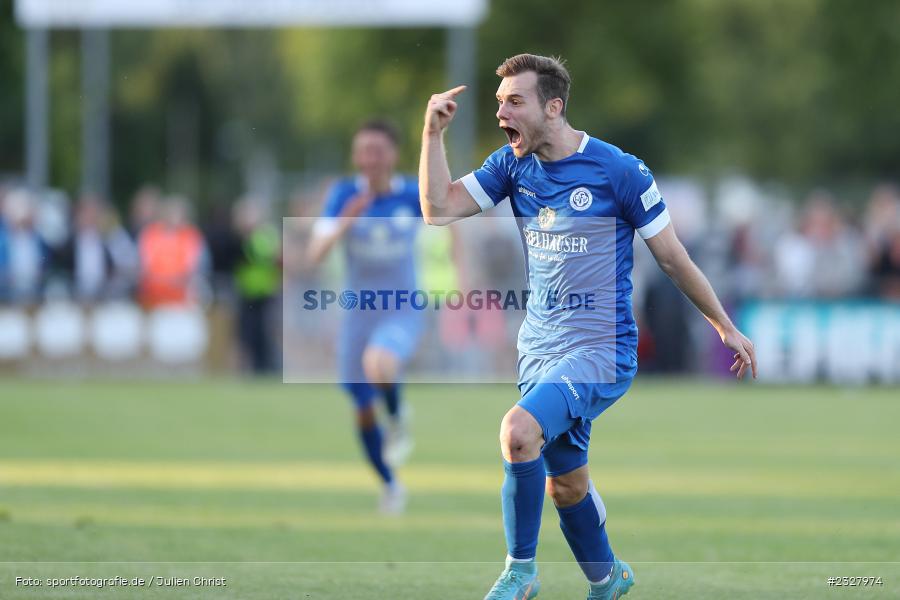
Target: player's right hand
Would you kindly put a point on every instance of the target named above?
(440, 111)
(357, 204)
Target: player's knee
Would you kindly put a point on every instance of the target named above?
(388, 370)
(520, 436)
(566, 491)
(371, 367)
(380, 367)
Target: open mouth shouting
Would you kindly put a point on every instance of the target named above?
(513, 135)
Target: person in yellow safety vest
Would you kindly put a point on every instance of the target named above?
(257, 278)
(439, 253)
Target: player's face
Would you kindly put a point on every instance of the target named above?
(521, 113)
(374, 154)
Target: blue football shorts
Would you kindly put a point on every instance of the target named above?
(398, 333)
(562, 393)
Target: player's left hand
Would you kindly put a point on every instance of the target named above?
(744, 354)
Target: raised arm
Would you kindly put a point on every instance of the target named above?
(328, 230)
(674, 260)
(443, 201)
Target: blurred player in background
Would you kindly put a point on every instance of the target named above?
(552, 173)
(376, 215)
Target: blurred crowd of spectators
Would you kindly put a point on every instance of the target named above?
(758, 244)
(753, 245)
(824, 251)
(158, 257)
(87, 253)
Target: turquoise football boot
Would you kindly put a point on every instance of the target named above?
(518, 581)
(620, 581)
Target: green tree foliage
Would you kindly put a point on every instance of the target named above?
(802, 91)
(339, 78)
(797, 90)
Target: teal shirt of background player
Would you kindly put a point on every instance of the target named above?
(379, 246)
(576, 219)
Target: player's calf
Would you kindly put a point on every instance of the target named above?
(570, 488)
(365, 417)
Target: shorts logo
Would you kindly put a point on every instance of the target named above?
(581, 199)
(546, 217)
(571, 387)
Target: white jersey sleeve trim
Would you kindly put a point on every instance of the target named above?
(477, 192)
(655, 226)
(584, 142)
(325, 226)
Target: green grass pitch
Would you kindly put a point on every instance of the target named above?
(713, 491)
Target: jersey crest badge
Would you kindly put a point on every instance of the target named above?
(546, 217)
(581, 199)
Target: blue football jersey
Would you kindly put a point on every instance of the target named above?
(576, 218)
(379, 245)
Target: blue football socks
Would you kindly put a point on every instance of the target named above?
(392, 400)
(584, 525)
(372, 442)
(522, 497)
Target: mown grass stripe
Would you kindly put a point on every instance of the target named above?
(340, 476)
(304, 520)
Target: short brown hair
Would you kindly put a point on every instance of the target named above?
(554, 80)
(382, 126)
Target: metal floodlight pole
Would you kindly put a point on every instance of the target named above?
(95, 138)
(461, 53)
(39, 15)
(36, 110)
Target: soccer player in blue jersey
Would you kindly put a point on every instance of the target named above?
(376, 216)
(578, 202)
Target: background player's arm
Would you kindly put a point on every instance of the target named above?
(443, 201)
(320, 245)
(325, 237)
(674, 260)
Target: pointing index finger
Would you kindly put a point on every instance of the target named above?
(455, 91)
